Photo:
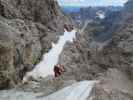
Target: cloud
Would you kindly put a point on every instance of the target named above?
(73, 1)
(91, 2)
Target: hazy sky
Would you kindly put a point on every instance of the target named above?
(91, 2)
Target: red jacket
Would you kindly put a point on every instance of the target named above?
(57, 71)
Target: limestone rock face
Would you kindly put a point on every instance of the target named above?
(46, 12)
(27, 30)
(7, 71)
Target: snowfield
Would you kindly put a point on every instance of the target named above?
(77, 91)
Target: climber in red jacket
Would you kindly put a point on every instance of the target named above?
(57, 70)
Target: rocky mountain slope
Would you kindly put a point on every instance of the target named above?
(27, 29)
(110, 63)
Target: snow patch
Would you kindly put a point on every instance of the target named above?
(45, 67)
(77, 91)
(100, 14)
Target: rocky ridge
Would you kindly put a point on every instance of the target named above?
(27, 30)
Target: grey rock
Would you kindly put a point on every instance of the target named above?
(31, 26)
